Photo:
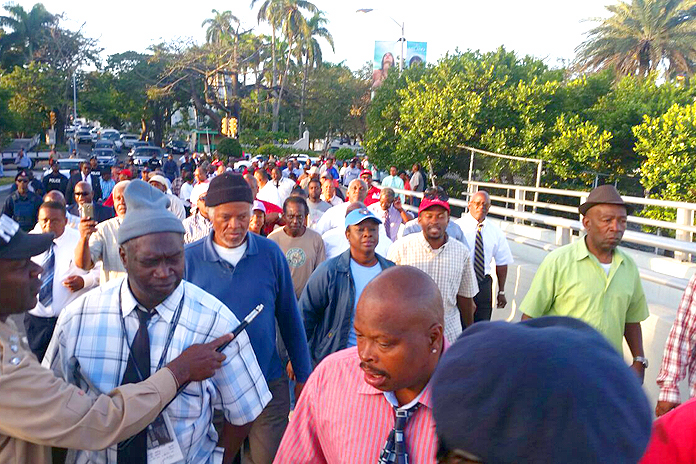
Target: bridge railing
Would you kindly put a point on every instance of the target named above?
(522, 210)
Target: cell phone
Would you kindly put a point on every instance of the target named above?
(87, 210)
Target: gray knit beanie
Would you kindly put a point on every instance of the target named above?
(146, 213)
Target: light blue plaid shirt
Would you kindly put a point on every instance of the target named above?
(89, 330)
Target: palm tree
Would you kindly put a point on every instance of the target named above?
(641, 36)
(219, 26)
(28, 29)
(284, 16)
(310, 52)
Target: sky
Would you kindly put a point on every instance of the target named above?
(546, 29)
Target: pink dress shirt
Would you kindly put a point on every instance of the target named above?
(341, 419)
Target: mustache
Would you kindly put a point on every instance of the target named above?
(372, 370)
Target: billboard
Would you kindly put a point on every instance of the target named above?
(387, 54)
(416, 52)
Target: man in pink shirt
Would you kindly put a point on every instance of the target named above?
(372, 403)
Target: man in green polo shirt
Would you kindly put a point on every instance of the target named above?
(594, 281)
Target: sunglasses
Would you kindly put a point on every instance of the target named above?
(22, 181)
(438, 194)
(79, 194)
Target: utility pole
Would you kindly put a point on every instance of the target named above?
(74, 86)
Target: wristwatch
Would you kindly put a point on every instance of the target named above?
(501, 293)
(642, 360)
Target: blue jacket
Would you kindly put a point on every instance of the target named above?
(327, 304)
(261, 276)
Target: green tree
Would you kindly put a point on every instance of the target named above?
(29, 32)
(219, 27)
(641, 37)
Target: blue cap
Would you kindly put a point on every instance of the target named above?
(359, 215)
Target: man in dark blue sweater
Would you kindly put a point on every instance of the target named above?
(243, 270)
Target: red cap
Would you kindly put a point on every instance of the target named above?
(427, 203)
(127, 172)
(366, 171)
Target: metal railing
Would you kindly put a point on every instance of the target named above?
(525, 211)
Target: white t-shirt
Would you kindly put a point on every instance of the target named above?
(231, 255)
(606, 268)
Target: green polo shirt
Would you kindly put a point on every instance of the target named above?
(570, 282)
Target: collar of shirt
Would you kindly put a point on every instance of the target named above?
(581, 252)
(166, 309)
(424, 243)
(424, 397)
(209, 253)
(472, 222)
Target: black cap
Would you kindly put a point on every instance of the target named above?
(226, 188)
(17, 244)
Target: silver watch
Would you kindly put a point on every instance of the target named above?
(642, 360)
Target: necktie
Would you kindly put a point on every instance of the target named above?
(134, 450)
(394, 451)
(49, 266)
(479, 263)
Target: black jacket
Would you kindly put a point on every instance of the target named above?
(69, 192)
(55, 181)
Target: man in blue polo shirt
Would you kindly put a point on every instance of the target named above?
(243, 270)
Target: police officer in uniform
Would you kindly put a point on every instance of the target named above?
(39, 410)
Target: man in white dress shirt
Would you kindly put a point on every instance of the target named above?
(283, 184)
(335, 217)
(61, 280)
(492, 246)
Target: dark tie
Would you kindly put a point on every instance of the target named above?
(49, 267)
(134, 450)
(394, 451)
(479, 263)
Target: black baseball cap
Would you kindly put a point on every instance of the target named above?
(17, 244)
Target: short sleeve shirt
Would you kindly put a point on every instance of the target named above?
(570, 282)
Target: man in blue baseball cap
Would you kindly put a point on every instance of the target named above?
(329, 300)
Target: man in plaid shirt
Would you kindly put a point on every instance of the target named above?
(680, 354)
(98, 341)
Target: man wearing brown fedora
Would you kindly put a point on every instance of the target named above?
(593, 280)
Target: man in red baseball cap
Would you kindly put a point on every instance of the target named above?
(446, 260)
(373, 193)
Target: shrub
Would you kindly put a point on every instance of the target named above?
(344, 154)
(229, 148)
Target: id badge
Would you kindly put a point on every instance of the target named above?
(162, 445)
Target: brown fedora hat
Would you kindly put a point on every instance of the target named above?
(604, 195)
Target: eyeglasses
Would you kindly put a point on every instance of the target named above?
(436, 194)
(22, 181)
(80, 194)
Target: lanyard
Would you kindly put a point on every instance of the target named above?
(175, 321)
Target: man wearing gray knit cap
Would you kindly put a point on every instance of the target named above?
(129, 327)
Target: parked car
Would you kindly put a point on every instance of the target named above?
(128, 139)
(141, 155)
(84, 136)
(114, 137)
(137, 144)
(105, 157)
(65, 165)
(177, 147)
(103, 144)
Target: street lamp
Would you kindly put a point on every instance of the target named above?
(402, 39)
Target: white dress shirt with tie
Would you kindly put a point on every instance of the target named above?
(64, 250)
(495, 245)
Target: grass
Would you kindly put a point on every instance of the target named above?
(6, 180)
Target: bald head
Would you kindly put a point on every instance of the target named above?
(119, 199)
(357, 191)
(55, 196)
(253, 185)
(406, 284)
(479, 205)
(83, 193)
(399, 328)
